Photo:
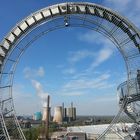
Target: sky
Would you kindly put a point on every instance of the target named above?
(71, 65)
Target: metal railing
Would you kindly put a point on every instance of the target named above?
(130, 90)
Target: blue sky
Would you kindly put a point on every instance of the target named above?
(72, 64)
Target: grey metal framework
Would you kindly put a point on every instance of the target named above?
(116, 28)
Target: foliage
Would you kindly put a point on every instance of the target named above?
(31, 134)
(53, 127)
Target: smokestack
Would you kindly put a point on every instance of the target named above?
(46, 109)
(72, 109)
(71, 104)
(47, 117)
(71, 113)
(44, 135)
(63, 111)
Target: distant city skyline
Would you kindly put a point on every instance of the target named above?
(71, 64)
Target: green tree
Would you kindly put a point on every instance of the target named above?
(31, 134)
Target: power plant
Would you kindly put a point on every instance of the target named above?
(61, 113)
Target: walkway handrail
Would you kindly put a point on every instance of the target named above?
(129, 89)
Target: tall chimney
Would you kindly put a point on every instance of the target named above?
(71, 104)
(63, 110)
(47, 117)
(44, 134)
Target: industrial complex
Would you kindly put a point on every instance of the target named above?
(61, 114)
(70, 126)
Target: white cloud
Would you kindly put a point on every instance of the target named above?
(87, 74)
(95, 38)
(105, 47)
(120, 5)
(88, 83)
(40, 92)
(31, 73)
(41, 72)
(128, 8)
(79, 55)
(69, 71)
(75, 57)
(72, 93)
(25, 103)
(60, 66)
(103, 55)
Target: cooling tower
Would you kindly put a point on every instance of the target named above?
(58, 117)
(44, 117)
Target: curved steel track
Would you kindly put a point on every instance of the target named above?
(116, 28)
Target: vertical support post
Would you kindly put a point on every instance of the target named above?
(47, 118)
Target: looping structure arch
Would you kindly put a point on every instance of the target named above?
(118, 29)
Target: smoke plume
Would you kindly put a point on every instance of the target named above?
(40, 92)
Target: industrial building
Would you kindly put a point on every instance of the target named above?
(37, 116)
(63, 135)
(62, 114)
(94, 131)
(71, 114)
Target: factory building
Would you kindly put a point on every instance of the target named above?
(37, 116)
(71, 113)
(61, 114)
